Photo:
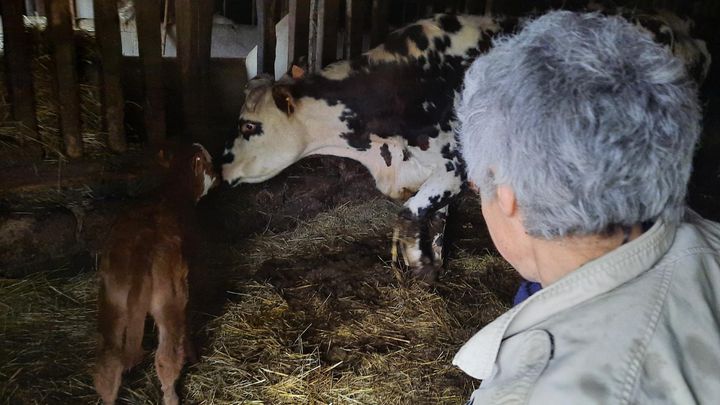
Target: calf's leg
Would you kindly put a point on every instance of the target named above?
(168, 306)
(112, 324)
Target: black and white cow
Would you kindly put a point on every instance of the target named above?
(391, 110)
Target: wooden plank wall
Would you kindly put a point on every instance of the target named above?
(299, 27)
(62, 43)
(17, 65)
(148, 18)
(268, 12)
(107, 32)
(194, 30)
(354, 26)
(379, 23)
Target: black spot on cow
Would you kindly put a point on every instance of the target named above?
(386, 155)
(442, 43)
(417, 35)
(360, 141)
(472, 53)
(436, 202)
(359, 62)
(449, 166)
(227, 157)
(449, 23)
(447, 153)
(396, 43)
(445, 126)
(484, 44)
(406, 154)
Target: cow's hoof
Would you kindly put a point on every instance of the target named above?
(406, 253)
(427, 273)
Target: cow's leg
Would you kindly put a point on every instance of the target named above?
(418, 237)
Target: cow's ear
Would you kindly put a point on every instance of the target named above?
(297, 72)
(283, 98)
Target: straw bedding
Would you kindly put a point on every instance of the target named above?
(309, 315)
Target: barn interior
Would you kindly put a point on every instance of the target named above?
(300, 303)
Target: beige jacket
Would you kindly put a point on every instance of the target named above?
(640, 325)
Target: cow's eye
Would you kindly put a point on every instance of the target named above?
(248, 127)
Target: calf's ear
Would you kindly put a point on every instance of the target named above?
(283, 98)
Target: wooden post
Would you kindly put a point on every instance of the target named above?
(328, 13)
(18, 73)
(148, 14)
(107, 33)
(354, 22)
(379, 24)
(299, 27)
(29, 7)
(267, 11)
(193, 20)
(60, 29)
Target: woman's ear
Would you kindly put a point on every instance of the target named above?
(506, 200)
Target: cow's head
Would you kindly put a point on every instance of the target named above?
(270, 136)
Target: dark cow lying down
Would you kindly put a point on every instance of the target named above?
(391, 110)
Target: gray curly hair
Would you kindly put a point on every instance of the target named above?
(590, 122)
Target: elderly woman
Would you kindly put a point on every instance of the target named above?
(579, 134)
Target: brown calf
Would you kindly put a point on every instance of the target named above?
(144, 270)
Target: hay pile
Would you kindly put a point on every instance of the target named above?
(50, 138)
(328, 328)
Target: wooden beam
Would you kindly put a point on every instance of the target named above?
(299, 27)
(379, 23)
(62, 43)
(107, 33)
(148, 16)
(267, 11)
(328, 13)
(19, 78)
(194, 30)
(354, 26)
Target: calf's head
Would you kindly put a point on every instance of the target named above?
(190, 171)
(270, 136)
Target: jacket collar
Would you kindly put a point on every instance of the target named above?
(477, 357)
